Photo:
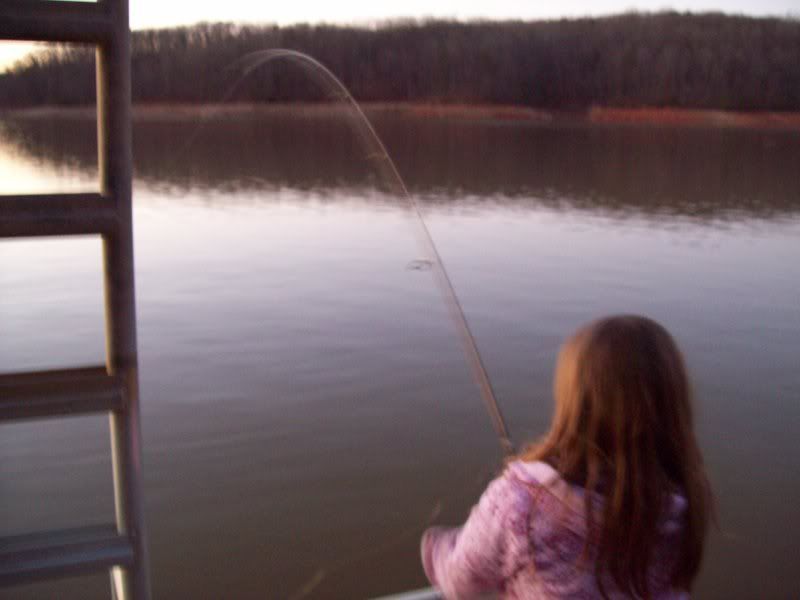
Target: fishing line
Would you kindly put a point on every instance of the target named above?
(337, 91)
(318, 577)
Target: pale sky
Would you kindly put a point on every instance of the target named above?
(165, 13)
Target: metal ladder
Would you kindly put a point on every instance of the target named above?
(120, 547)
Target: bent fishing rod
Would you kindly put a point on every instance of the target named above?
(339, 92)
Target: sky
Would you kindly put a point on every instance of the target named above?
(165, 13)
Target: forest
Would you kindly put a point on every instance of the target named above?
(665, 59)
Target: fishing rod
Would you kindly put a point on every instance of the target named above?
(338, 91)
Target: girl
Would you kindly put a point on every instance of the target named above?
(613, 502)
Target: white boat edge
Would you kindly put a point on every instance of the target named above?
(423, 594)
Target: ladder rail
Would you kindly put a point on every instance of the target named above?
(115, 164)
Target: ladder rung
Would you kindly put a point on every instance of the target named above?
(54, 21)
(48, 555)
(40, 394)
(56, 214)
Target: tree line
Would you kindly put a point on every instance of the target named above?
(630, 60)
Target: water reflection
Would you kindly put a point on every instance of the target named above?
(304, 397)
(704, 174)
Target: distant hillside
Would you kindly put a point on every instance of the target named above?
(631, 60)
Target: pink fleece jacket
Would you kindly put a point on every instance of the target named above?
(525, 538)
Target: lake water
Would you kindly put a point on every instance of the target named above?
(305, 400)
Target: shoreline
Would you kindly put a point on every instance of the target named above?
(670, 117)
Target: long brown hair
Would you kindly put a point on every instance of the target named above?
(623, 427)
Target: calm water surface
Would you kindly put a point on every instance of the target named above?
(305, 401)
